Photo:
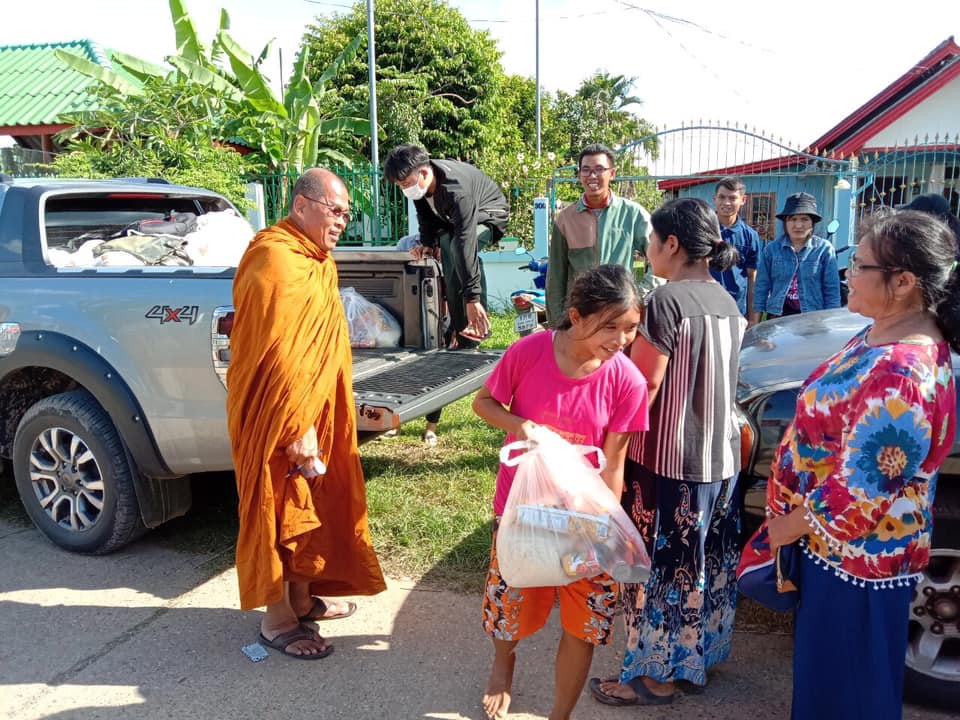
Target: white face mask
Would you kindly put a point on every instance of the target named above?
(414, 192)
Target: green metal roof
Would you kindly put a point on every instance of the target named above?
(37, 89)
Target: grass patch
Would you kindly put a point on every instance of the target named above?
(431, 509)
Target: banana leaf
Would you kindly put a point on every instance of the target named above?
(332, 126)
(138, 67)
(335, 156)
(252, 82)
(98, 72)
(298, 87)
(204, 76)
(348, 52)
(188, 42)
(265, 53)
(217, 52)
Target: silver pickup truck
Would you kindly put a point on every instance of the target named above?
(113, 378)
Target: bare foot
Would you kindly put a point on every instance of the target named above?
(613, 688)
(311, 609)
(496, 696)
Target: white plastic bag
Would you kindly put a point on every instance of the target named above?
(220, 239)
(369, 324)
(561, 523)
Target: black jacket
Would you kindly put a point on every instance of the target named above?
(464, 198)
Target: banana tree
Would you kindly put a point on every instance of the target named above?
(290, 131)
(290, 134)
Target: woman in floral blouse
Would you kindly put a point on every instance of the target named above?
(855, 474)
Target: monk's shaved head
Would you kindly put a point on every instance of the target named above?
(318, 183)
(320, 207)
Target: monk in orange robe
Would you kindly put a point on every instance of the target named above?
(289, 404)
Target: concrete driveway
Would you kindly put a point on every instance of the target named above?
(154, 632)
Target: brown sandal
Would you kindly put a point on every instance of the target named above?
(284, 640)
(319, 611)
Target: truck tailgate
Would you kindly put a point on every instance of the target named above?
(394, 386)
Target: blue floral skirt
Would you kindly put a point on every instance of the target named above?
(680, 622)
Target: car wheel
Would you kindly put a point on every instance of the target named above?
(74, 475)
(933, 649)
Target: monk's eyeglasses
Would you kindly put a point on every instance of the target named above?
(336, 212)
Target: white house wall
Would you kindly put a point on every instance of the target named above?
(937, 114)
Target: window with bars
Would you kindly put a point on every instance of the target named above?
(759, 211)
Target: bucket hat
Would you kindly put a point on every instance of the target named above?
(930, 203)
(800, 203)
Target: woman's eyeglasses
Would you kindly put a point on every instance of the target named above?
(855, 268)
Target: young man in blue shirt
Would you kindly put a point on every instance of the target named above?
(739, 280)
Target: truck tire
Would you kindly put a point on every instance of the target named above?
(74, 475)
(933, 651)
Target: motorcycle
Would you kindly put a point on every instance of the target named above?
(531, 303)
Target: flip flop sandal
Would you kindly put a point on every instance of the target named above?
(644, 695)
(689, 688)
(284, 640)
(474, 335)
(319, 612)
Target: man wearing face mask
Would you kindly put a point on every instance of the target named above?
(461, 211)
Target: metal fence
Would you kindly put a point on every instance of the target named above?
(19, 161)
(389, 226)
(385, 227)
(689, 160)
(892, 176)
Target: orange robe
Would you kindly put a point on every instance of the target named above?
(291, 367)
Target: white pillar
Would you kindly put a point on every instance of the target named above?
(843, 213)
(258, 213)
(541, 214)
(413, 226)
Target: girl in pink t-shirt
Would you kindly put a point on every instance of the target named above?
(576, 381)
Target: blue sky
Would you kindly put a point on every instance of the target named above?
(692, 60)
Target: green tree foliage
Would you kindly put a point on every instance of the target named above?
(164, 131)
(511, 158)
(601, 111)
(287, 134)
(292, 133)
(598, 112)
(437, 78)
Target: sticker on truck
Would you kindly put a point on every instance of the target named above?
(181, 313)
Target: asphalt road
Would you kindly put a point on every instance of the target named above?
(154, 632)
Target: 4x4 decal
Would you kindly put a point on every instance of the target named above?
(180, 313)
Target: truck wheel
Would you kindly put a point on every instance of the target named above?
(74, 475)
(933, 650)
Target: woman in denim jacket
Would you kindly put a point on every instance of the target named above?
(797, 271)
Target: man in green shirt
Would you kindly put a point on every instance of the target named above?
(600, 228)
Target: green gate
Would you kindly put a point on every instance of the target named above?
(360, 180)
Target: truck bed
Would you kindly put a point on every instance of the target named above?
(406, 384)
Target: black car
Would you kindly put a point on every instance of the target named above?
(776, 357)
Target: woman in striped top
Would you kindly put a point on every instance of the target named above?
(681, 474)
